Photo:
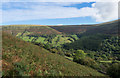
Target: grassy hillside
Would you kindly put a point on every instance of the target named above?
(105, 28)
(39, 34)
(54, 40)
(15, 29)
(71, 29)
(23, 60)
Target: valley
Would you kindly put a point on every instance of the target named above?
(84, 48)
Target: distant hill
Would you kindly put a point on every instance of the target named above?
(71, 29)
(25, 59)
(15, 29)
(105, 28)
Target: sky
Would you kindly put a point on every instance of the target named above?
(57, 12)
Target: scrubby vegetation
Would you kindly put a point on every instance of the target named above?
(104, 50)
(105, 28)
(19, 59)
(114, 70)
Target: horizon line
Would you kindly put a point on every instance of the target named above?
(63, 24)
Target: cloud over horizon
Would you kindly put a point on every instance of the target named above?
(22, 11)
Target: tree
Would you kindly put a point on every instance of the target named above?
(91, 55)
(81, 58)
(104, 57)
(47, 46)
(114, 70)
(79, 55)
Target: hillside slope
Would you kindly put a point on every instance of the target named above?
(105, 28)
(25, 59)
(33, 30)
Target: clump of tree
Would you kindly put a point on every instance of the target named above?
(81, 58)
(114, 70)
(80, 54)
(111, 47)
(91, 42)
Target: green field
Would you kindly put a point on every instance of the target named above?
(58, 40)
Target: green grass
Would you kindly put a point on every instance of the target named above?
(110, 61)
(19, 34)
(75, 37)
(69, 58)
(41, 40)
(60, 39)
(26, 38)
(56, 41)
(25, 59)
(106, 61)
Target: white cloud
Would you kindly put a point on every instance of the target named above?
(106, 11)
(119, 10)
(45, 12)
(59, 24)
(100, 11)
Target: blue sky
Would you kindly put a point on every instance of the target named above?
(81, 5)
(60, 21)
(57, 13)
